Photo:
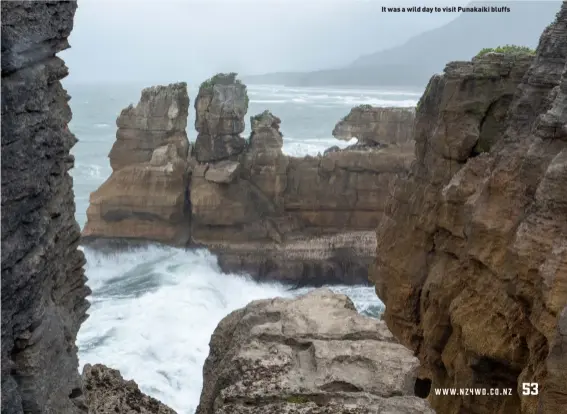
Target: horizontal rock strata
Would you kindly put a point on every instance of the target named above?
(378, 126)
(145, 198)
(43, 282)
(472, 251)
(314, 354)
(304, 220)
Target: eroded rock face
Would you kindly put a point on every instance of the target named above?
(221, 105)
(299, 220)
(43, 282)
(146, 196)
(373, 125)
(106, 392)
(304, 220)
(313, 354)
(472, 251)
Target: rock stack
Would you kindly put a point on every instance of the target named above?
(146, 197)
(221, 105)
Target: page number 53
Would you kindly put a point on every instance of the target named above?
(530, 388)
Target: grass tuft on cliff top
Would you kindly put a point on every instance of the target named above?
(221, 79)
(507, 49)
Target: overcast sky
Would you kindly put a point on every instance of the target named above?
(189, 40)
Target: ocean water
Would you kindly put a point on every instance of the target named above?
(154, 309)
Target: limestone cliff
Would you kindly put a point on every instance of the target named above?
(145, 198)
(43, 282)
(304, 220)
(472, 251)
(379, 126)
(314, 354)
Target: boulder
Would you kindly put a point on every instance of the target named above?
(312, 354)
(223, 172)
(106, 392)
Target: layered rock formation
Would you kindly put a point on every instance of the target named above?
(221, 105)
(377, 126)
(43, 283)
(106, 392)
(145, 198)
(313, 354)
(472, 251)
(302, 220)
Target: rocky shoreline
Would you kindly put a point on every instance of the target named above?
(470, 253)
(303, 221)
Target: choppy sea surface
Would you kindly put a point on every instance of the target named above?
(153, 310)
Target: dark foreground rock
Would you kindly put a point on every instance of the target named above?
(312, 355)
(106, 392)
(43, 282)
(472, 251)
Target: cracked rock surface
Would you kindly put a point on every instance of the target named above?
(313, 354)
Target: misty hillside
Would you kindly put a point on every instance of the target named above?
(413, 63)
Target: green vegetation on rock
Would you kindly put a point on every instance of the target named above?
(364, 106)
(259, 116)
(507, 49)
(423, 96)
(297, 399)
(220, 79)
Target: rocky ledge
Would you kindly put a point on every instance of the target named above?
(312, 355)
(379, 126)
(472, 251)
(106, 392)
(307, 220)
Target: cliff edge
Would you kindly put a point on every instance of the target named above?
(472, 251)
(43, 282)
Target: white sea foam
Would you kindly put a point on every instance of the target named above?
(154, 310)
